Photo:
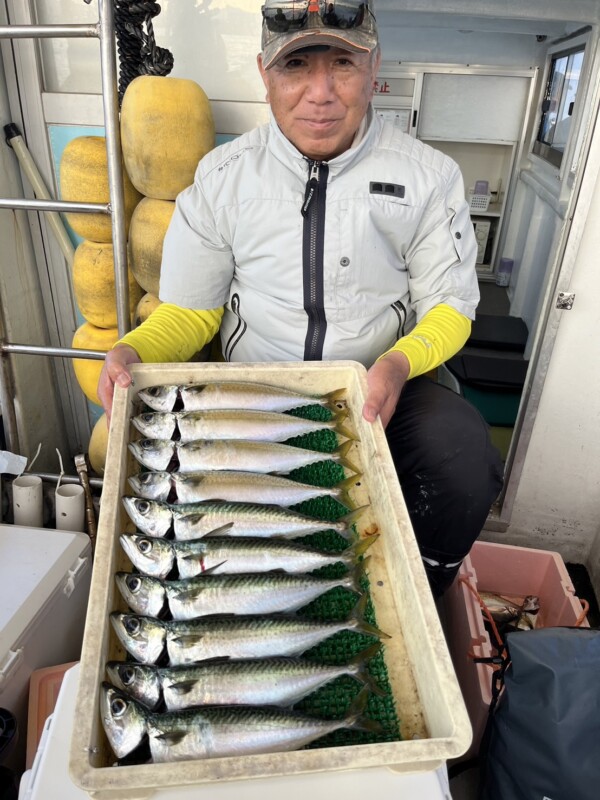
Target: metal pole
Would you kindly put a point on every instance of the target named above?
(7, 403)
(51, 476)
(47, 31)
(58, 352)
(54, 205)
(110, 99)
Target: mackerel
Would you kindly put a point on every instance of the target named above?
(278, 681)
(195, 520)
(216, 731)
(226, 395)
(231, 486)
(226, 554)
(232, 454)
(230, 594)
(234, 636)
(264, 426)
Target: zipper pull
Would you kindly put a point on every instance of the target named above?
(311, 186)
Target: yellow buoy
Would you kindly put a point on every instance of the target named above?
(98, 445)
(149, 224)
(145, 307)
(87, 371)
(94, 284)
(166, 128)
(84, 179)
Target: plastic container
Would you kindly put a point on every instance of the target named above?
(504, 570)
(44, 689)
(433, 719)
(44, 584)
(504, 271)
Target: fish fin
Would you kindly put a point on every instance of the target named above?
(182, 687)
(171, 739)
(358, 573)
(359, 665)
(355, 717)
(344, 487)
(220, 531)
(361, 625)
(360, 548)
(344, 431)
(350, 519)
(342, 450)
(187, 638)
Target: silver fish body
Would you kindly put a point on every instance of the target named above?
(278, 681)
(227, 395)
(249, 456)
(249, 594)
(195, 520)
(231, 555)
(214, 731)
(266, 426)
(234, 486)
(236, 636)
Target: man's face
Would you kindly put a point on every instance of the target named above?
(320, 97)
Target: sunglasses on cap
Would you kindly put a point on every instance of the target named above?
(281, 16)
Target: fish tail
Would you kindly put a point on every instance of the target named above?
(342, 491)
(332, 400)
(355, 718)
(343, 430)
(354, 579)
(358, 667)
(347, 521)
(360, 623)
(358, 549)
(342, 450)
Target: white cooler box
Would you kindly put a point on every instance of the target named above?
(44, 587)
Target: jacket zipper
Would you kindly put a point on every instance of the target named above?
(313, 239)
(400, 310)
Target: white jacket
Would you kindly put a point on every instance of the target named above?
(385, 236)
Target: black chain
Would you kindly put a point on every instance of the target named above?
(138, 52)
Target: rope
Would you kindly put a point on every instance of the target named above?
(138, 52)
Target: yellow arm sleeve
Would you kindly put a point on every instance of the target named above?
(172, 333)
(436, 338)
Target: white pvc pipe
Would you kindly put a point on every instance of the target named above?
(41, 191)
(28, 501)
(70, 507)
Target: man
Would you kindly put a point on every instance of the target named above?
(329, 234)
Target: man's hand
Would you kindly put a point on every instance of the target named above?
(385, 381)
(114, 372)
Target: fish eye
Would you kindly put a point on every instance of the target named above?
(118, 707)
(132, 626)
(146, 477)
(144, 546)
(143, 506)
(134, 584)
(146, 444)
(147, 416)
(153, 391)
(127, 675)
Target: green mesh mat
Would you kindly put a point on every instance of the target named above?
(333, 700)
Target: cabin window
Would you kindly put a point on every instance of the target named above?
(558, 104)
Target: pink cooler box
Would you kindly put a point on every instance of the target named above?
(505, 570)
